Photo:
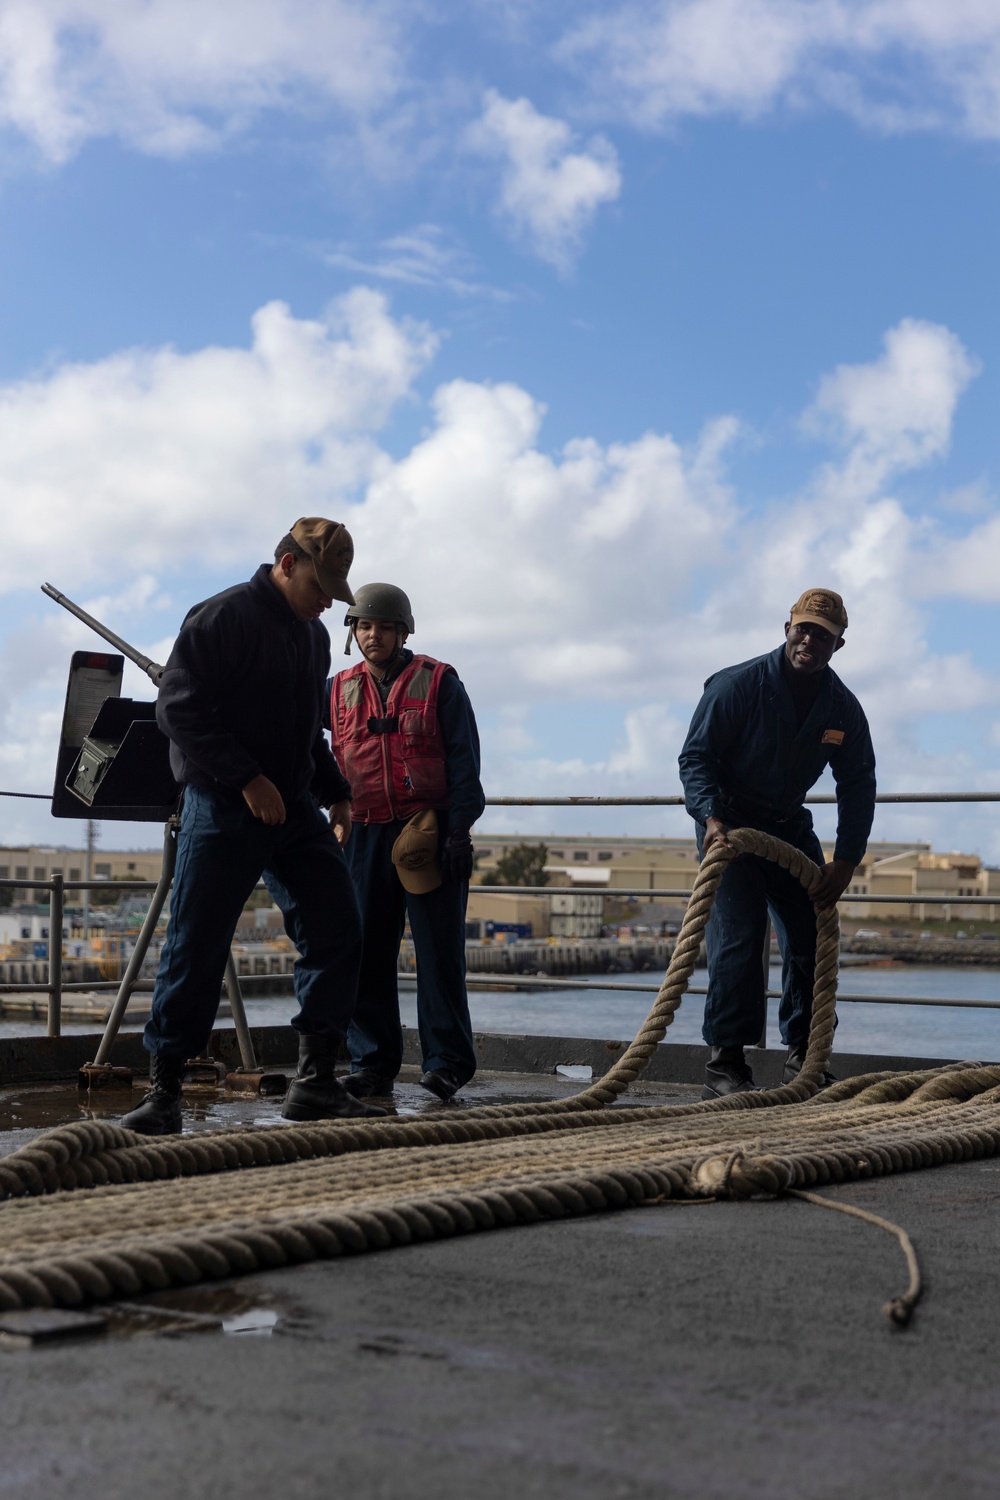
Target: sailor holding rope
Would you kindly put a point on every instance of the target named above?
(760, 738)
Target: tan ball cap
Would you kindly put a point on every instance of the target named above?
(820, 607)
(415, 854)
(329, 545)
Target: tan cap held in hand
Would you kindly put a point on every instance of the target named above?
(329, 545)
(820, 607)
(415, 854)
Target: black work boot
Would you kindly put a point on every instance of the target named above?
(367, 1084)
(441, 1082)
(316, 1093)
(793, 1066)
(727, 1072)
(160, 1111)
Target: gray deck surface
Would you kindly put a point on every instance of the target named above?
(713, 1351)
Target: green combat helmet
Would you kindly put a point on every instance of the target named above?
(378, 601)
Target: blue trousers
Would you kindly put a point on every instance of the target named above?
(222, 851)
(751, 890)
(437, 922)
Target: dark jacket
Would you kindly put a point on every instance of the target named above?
(746, 761)
(461, 742)
(242, 695)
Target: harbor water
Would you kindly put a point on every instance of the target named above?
(900, 1030)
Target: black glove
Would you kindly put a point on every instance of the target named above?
(456, 856)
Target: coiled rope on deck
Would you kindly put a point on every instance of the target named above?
(157, 1214)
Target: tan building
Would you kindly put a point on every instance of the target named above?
(889, 868)
(42, 861)
(506, 906)
(667, 864)
(586, 860)
(917, 871)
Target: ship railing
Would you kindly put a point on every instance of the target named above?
(57, 887)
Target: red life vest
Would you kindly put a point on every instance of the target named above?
(393, 756)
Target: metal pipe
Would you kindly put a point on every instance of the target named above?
(88, 870)
(821, 799)
(547, 982)
(55, 953)
(152, 669)
(140, 987)
(82, 986)
(239, 1016)
(141, 945)
(766, 965)
(79, 885)
(685, 893)
(532, 981)
(677, 892)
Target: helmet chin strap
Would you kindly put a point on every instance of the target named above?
(396, 651)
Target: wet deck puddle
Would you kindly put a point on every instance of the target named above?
(33, 1107)
(243, 1311)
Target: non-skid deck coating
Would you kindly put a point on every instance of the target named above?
(681, 1350)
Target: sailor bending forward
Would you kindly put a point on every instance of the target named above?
(241, 702)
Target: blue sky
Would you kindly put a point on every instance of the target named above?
(606, 330)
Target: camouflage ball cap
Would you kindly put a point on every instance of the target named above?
(820, 607)
(331, 549)
(415, 854)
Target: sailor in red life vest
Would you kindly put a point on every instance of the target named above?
(405, 736)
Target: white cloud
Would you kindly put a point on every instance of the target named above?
(612, 576)
(893, 65)
(966, 567)
(543, 573)
(896, 412)
(172, 76)
(549, 192)
(424, 256)
(159, 455)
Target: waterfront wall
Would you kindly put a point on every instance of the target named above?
(936, 950)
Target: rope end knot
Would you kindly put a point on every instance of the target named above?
(740, 1176)
(899, 1311)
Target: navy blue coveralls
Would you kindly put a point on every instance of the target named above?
(748, 761)
(242, 696)
(437, 918)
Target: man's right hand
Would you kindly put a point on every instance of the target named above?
(264, 800)
(715, 833)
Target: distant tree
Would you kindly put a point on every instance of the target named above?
(522, 864)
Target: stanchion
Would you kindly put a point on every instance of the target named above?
(99, 1074)
(55, 953)
(250, 1078)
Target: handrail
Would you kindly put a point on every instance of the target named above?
(99, 883)
(821, 799)
(57, 886)
(684, 892)
(483, 981)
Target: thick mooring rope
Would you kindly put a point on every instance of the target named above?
(158, 1214)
